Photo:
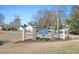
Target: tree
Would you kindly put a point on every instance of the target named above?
(1, 19)
(33, 23)
(14, 25)
(72, 23)
(24, 25)
(61, 14)
(45, 18)
(5, 26)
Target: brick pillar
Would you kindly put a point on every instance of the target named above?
(34, 33)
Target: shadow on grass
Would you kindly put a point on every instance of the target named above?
(38, 40)
(2, 42)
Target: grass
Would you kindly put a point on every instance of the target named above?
(36, 47)
(10, 36)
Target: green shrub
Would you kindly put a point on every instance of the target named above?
(44, 39)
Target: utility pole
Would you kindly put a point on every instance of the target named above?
(58, 34)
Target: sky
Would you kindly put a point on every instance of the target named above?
(25, 11)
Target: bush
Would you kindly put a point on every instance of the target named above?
(68, 38)
(44, 39)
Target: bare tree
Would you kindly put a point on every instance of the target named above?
(14, 25)
(5, 27)
(45, 18)
(1, 19)
(33, 23)
(60, 13)
(60, 17)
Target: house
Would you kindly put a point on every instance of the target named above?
(20, 28)
(29, 28)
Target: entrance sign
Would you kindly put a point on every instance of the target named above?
(51, 34)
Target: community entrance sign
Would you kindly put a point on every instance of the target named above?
(51, 34)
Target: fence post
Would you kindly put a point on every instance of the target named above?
(34, 33)
(23, 35)
(51, 33)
